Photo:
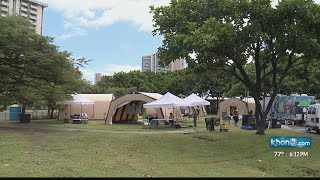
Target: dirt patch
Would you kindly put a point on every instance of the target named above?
(312, 172)
(24, 129)
(37, 136)
(16, 129)
(263, 169)
(206, 138)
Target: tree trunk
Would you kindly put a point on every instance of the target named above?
(51, 114)
(218, 104)
(260, 124)
(259, 116)
(24, 106)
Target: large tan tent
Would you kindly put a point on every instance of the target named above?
(96, 111)
(243, 106)
(129, 106)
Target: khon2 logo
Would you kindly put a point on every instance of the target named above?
(300, 142)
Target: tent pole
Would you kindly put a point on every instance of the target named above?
(219, 112)
(165, 112)
(59, 113)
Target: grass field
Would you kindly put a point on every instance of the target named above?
(238, 153)
(100, 125)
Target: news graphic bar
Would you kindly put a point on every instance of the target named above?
(298, 142)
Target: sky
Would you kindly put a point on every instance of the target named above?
(113, 34)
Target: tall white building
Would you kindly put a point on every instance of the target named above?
(151, 63)
(146, 63)
(178, 64)
(30, 9)
(97, 77)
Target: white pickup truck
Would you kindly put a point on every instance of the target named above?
(80, 118)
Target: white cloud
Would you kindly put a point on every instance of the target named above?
(108, 69)
(74, 32)
(83, 14)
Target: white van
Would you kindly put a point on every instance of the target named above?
(312, 120)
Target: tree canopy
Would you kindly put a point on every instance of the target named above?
(179, 82)
(228, 34)
(32, 68)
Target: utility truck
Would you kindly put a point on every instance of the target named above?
(292, 108)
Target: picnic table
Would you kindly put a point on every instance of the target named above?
(155, 122)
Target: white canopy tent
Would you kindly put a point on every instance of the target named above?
(167, 100)
(195, 100)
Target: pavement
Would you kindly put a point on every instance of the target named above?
(34, 126)
(293, 128)
(300, 129)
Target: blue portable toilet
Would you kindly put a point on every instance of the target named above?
(15, 111)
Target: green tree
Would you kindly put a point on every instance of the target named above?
(31, 67)
(120, 91)
(303, 80)
(227, 34)
(182, 82)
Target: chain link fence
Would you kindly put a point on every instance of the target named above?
(35, 115)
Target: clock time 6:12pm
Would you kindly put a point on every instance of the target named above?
(299, 154)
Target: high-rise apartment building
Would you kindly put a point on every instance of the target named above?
(178, 64)
(146, 63)
(97, 77)
(30, 9)
(151, 63)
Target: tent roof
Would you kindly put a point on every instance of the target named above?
(215, 98)
(167, 100)
(77, 100)
(245, 100)
(97, 97)
(196, 100)
(249, 100)
(87, 98)
(152, 95)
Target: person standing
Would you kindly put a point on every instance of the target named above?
(198, 112)
(195, 117)
(171, 119)
(236, 117)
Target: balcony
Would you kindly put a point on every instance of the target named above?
(4, 14)
(33, 22)
(24, 14)
(23, 3)
(23, 9)
(4, 3)
(33, 17)
(4, 8)
(33, 12)
(32, 6)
